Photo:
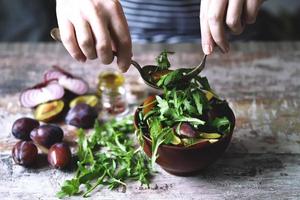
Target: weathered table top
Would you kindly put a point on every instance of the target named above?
(260, 80)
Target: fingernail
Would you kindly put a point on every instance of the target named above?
(207, 49)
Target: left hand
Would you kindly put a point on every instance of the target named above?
(215, 15)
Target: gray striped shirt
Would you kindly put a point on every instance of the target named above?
(169, 21)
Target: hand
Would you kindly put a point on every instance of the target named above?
(91, 29)
(215, 15)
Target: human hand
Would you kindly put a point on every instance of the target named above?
(215, 15)
(91, 29)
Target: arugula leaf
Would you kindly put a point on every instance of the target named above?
(162, 104)
(69, 187)
(168, 80)
(162, 61)
(194, 121)
(159, 136)
(198, 101)
(222, 125)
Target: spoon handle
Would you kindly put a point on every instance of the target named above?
(197, 69)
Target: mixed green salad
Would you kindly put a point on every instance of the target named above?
(185, 114)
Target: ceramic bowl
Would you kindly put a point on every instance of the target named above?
(186, 161)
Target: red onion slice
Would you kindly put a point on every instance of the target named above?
(68, 81)
(75, 85)
(52, 74)
(43, 93)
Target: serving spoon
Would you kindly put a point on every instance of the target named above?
(146, 70)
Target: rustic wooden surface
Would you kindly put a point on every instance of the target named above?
(260, 80)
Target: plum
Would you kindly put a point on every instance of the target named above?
(24, 153)
(59, 155)
(49, 111)
(185, 130)
(81, 116)
(47, 135)
(91, 100)
(22, 127)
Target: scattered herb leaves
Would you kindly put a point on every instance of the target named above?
(107, 157)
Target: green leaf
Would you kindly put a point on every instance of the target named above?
(194, 121)
(162, 104)
(162, 61)
(69, 188)
(159, 136)
(222, 125)
(204, 82)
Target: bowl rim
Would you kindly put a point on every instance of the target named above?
(195, 146)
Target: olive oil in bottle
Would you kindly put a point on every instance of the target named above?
(112, 93)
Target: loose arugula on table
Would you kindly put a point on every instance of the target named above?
(107, 157)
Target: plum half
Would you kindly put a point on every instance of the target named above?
(185, 129)
(49, 111)
(91, 100)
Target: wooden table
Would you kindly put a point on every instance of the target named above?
(260, 80)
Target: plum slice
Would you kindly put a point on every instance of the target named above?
(186, 130)
(49, 111)
(91, 100)
(70, 82)
(41, 93)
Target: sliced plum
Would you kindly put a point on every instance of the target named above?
(49, 111)
(91, 100)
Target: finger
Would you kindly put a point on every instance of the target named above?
(102, 38)
(206, 38)
(85, 38)
(68, 39)
(216, 13)
(251, 10)
(233, 16)
(121, 37)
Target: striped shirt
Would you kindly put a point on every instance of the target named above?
(169, 21)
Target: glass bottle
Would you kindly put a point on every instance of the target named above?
(112, 93)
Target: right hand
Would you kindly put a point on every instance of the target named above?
(91, 29)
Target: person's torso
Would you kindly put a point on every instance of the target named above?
(163, 20)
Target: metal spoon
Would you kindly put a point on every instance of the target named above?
(146, 70)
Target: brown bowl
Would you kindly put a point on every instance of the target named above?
(186, 161)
